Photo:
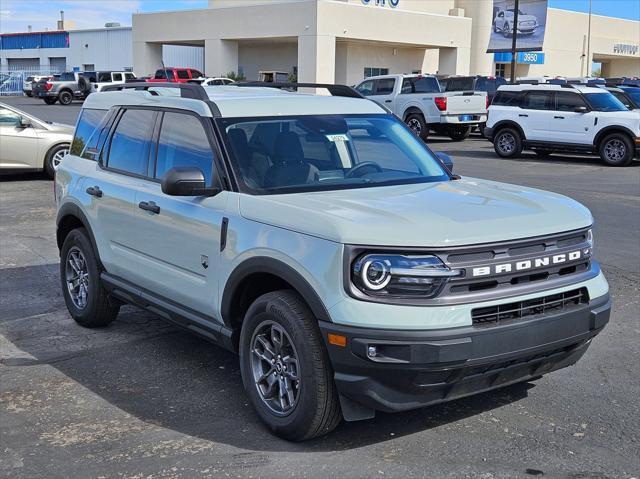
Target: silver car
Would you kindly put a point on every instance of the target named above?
(28, 143)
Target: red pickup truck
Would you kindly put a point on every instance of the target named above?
(175, 75)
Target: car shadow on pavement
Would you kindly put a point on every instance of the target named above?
(172, 379)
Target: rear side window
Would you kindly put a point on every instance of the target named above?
(129, 148)
(507, 98)
(183, 142)
(163, 74)
(117, 77)
(385, 86)
(421, 85)
(87, 123)
(537, 100)
(566, 101)
(67, 77)
(183, 74)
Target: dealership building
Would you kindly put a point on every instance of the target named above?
(344, 40)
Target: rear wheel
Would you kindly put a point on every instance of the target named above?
(506, 30)
(65, 97)
(29, 94)
(616, 149)
(54, 157)
(507, 143)
(86, 299)
(459, 133)
(49, 100)
(285, 368)
(418, 125)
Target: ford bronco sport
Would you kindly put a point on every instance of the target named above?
(322, 240)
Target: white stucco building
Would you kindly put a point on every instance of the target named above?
(343, 40)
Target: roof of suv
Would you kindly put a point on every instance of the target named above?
(234, 101)
(552, 87)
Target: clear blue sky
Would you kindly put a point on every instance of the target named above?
(16, 15)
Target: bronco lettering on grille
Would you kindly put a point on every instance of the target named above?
(528, 264)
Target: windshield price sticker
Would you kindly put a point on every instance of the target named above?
(337, 138)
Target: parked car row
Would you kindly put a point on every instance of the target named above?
(66, 87)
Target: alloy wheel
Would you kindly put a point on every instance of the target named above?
(57, 158)
(415, 125)
(506, 143)
(77, 277)
(275, 367)
(615, 150)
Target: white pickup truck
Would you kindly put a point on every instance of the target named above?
(418, 101)
(104, 78)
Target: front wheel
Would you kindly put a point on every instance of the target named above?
(417, 124)
(459, 133)
(285, 368)
(507, 143)
(53, 159)
(616, 150)
(85, 297)
(50, 100)
(506, 30)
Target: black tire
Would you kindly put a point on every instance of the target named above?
(49, 100)
(459, 133)
(29, 93)
(417, 124)
(616, 149)
(65, 97)
(507, 137)
(98, 311)
(84, 85)
(506, 30)
(481, 128)
(316, 409)
(49, 166)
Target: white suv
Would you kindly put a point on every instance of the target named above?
(573, 118)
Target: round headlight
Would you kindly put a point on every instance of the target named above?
(375, 274)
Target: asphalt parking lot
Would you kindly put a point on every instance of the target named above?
(141, 399)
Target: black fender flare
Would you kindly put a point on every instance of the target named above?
(612, 129)
(508, 124)
(264, 264)
(73, 210)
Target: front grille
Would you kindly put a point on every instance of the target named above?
(533, 307)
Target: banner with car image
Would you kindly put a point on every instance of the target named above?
(532, 21)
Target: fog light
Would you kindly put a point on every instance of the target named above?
(372, 352)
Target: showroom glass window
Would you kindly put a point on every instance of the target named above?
(183, 142)
(129, 149)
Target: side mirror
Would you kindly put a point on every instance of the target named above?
(186, 181)
(25, 122)
(581, 109)
(446, 159)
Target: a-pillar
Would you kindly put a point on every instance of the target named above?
(220, 57)
(316, 59)
(147, 58)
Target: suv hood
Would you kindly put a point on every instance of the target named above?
(527, 18)
(453, 213)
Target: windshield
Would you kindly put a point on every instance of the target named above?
(325, 152)
(604, 102)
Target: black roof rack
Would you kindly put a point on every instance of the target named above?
(334, 90)
(187, 90)
(193, 91)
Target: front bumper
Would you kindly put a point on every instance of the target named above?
(418, 368)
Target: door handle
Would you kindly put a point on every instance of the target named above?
(149, 206)
(387, 101)
(95, 191)
(559, 117)
(523, 115)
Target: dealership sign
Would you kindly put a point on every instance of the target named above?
(529, 31)
(523, 58)
(382, 3)
(625, 49)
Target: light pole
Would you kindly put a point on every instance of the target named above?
(589, 64)
(514, 40)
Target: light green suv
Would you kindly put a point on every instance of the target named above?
(322, 240)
